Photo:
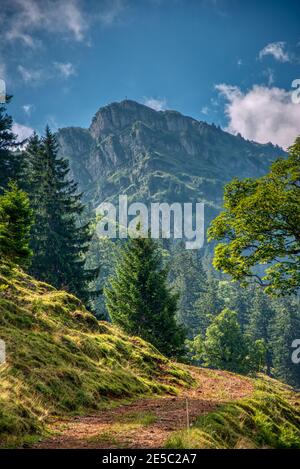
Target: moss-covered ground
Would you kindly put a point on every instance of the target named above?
(270, 418)
(62, 361)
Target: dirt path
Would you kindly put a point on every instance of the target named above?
(147, 423)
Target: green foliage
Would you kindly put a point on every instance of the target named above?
(267, 420)
(268, 324)
(103, 251)
(284, 330)
(226, 348)
(188, 279)
(59, 240)
(10, 161)
(260, 226)
(61, 360)
(209, 303)
(16, 219)
(139, 300)
(195, 349)
(261, 316)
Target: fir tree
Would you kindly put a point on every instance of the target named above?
(35, 168)
(15, 222)
(139, 300)
(10, 161)
(261, 315)
(285, 329)
(209, 304)
(236, 298)
(59, 242)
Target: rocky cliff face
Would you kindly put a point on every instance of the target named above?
(159, 156)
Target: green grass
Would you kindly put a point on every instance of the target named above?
(62, 361)
(267, 420)
(107, 438)
(140, 418)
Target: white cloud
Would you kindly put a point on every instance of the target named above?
(204, 110)
(28, 108)
(276, 50)
(73, 18)
(22, 131)
(66, 70)
(23, 19)
(156, 104)
(111, 11)
(262, 114)
(269, 73)
(34, 76)
(31, 75)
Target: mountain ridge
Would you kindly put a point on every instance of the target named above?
(164, 156)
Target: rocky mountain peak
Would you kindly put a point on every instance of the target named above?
(132, 149)
(119, 115)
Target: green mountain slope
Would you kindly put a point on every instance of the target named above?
(61, 360)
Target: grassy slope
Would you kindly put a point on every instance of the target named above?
(61, 360)
(268, 419)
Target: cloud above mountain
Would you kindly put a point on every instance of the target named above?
(263, 114)
(156, 104)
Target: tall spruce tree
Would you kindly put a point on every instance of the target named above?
(59, 241)
(139, 300)
(261, 316)
(10, 161)
(35, 168)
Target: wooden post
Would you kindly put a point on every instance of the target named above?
(187, 415)
(2, 352)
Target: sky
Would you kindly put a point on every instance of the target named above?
(230, 62)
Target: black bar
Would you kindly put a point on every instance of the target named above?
(140, 457)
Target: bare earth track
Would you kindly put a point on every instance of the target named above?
(147, 423)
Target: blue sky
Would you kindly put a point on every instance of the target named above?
(230, 62)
